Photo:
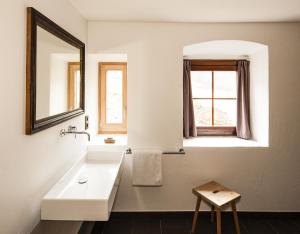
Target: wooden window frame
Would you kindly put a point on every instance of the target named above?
(72, 68)
(215, 65)
(105, 128)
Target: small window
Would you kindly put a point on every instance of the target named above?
(73, 85)
(112, 98)
(214, 96)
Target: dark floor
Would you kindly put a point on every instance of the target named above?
(181, 224)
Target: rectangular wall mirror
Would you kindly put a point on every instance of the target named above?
(54, 74)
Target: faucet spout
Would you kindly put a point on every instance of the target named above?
(86, 133)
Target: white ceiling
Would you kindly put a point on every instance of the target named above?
(190, 10)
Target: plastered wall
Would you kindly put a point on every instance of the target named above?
(29, 165)
(267, 177)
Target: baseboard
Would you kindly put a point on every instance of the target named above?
(189, 214)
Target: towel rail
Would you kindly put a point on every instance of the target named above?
(180, 151)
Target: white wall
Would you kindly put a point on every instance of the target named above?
(259, 96)
(267, 178)
(29, 165)
(43, 85)
(58, 85)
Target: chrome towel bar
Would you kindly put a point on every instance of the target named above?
(180, 151)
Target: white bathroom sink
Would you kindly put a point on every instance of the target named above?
(87, 191)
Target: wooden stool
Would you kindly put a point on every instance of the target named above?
(217, 196)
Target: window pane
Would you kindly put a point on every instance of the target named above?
(201, 84)
(225, 112)
(114, 99)
(203, 112)
(225, 84)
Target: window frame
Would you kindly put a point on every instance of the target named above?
(109, 128)
(215, 65)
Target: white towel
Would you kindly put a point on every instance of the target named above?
(146, 168)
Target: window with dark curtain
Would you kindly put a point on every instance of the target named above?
(217, 91)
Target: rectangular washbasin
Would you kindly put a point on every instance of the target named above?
(87, 191)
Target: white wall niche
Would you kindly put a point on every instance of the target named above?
(93, 95)
(257, 54)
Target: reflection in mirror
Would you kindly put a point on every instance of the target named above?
(57, 75)
(73, 85)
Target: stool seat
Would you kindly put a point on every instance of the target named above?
(216, 194)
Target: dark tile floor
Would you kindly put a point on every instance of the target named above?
(181, 224)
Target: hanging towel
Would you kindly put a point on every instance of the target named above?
(146, 168)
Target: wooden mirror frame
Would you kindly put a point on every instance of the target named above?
(34, 19)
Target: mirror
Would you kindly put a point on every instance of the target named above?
(55, 74)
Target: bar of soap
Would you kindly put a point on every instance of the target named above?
(109, 140)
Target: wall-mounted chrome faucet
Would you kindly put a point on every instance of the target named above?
(73, 130)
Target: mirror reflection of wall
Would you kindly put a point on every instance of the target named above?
(58, 75)
(73, 85)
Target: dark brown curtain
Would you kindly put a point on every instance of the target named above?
(189, 127)
(243, 102)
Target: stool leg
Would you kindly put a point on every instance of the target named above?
(235, 218)
(196, 215)
(212, 213)
(218, 211)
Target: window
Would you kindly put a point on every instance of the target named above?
(113, 98)
(214, 96)
(73, 85)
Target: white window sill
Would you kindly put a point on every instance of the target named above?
(97, 142)
(219, 141)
